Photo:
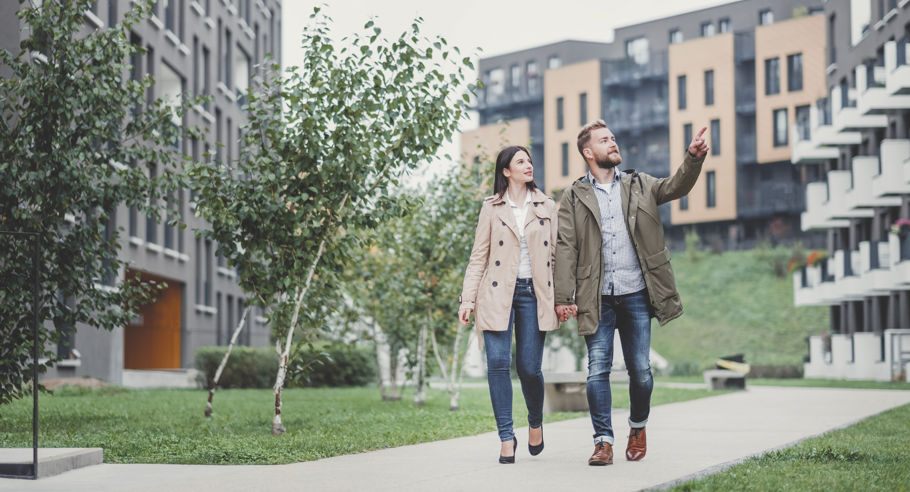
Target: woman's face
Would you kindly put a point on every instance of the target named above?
(520, 169)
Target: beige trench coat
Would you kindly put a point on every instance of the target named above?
(489, 280)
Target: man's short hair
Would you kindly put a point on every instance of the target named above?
(584, 136)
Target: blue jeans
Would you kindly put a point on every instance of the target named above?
(628, 314)
(529, 342)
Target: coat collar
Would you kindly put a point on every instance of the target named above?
(506, 217)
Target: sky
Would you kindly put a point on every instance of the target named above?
(493, 26)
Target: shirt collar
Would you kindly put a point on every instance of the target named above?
(513, 204)
(603, 186)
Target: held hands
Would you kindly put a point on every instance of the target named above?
(699, 147)
(563, 312)
(464, 315)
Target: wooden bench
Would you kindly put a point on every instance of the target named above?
(565, 392)
(718, 379)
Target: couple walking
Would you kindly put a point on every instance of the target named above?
(599, 256)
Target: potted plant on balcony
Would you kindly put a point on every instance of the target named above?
(901, 228)
(816, 257)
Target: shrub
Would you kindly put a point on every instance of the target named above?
(333, 365)
(685, 368)
(776, 372)
(248, 367)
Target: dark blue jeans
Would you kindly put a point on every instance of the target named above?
(629, 315)
(529, 342)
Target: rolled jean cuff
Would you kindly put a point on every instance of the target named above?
(606, 439)
(637, 425)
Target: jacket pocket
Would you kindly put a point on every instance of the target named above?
(585, 285)
(659, 277)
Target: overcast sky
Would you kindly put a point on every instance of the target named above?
(494, 26)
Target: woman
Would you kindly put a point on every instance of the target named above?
(509, 282)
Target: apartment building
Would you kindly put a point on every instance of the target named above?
(659, 81)
(858, 146)
(200, 47)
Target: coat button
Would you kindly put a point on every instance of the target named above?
(500, 243)
(495, 284)
(548, 263)
(541, 222)
(546, 243)
(548, 283)
(497, 262)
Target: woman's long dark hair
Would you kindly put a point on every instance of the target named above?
(501, 182)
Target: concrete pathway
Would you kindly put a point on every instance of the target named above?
(685, 440)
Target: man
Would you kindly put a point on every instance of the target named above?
(613, 272)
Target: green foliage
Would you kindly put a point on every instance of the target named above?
(250, 367)
(693, 245)
(870, 455)
(77, 140)
(335, 365)
(166, 426)
(735, 303)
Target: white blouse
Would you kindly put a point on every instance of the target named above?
(520, 213)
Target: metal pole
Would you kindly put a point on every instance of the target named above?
(36, 270)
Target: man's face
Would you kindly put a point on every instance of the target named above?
(603, 148)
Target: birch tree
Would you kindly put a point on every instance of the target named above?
(326, 144)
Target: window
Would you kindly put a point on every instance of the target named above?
(795, 72)
(496, 80)
(772, 76)
(515, 77)
(553, 62)
(560, 121)
(565, 159)
(803, 132)
(228, 60)
(241, 75)
(681, 89)
(676, 36)
(832, 51)
(707, 29)
(583, 108)
(715, 137)
(207, 278)
(533, 77)
(765, 17)
(151, 225)
(709, 87)
(780, 127)
(112, 14)
(723, 25)
(206, 78)
(638, 49)
(711, 183)
(684, 203)
(687, 135)
(199, 265)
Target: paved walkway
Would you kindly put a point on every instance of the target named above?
(684, 440)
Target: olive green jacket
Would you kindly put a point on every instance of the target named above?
(579, 258)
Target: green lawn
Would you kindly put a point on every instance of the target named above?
(167, 426)
(871, 455)
(734, 303)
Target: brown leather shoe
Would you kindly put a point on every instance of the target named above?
(638, 445)
(603, 455)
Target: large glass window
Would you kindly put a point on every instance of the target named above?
(638, 49)
(583, 108)
(496, 80)
(803, 132)
(687, 135)
(676, 36)
(681, 91)
(709, 87)
(533, 77)
(515, 77)
(707, 29)
(715, 137)
(723, 25)
(684, 203)
(560, 116)
(711, 184)
(553, 62)
(780, 127)
(795, 72)
(772, 76)
(766, 17)
(565, 159)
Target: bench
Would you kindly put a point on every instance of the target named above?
(718, 379)
(565, 392)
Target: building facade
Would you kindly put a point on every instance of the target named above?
(196, 47)
(661, 80)
(858, 148)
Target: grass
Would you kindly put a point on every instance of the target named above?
(167, 426)
(871, 455)
(734, 303)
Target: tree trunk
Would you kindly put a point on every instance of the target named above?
(457, 357)
(208, 405)
(394, 394)
(420, 392)
(382, 390)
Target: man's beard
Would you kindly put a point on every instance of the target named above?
(609, 161)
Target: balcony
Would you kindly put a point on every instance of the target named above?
(815, 216)
(839, 183)
(488, 101)
(745, 99)
(874, 98)
(899, 254)
(865, 169)
(640, 117)
(874, 268)
(897, 70)
(822, 142)
(848, 118)
(892, 178)
(627, 72)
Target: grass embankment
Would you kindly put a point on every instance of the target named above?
(871, 455)
(167, 426)
(734, 303)
(798, 382)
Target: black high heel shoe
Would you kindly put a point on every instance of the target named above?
(535, 449)
(510, 459)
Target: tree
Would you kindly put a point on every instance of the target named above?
(77, 140)
(325, 145)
